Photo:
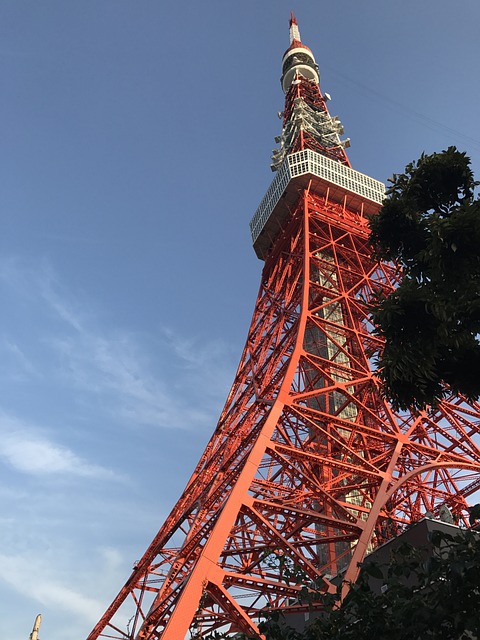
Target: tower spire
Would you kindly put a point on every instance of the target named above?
(307, 123)
(298, 58)
(294, 31)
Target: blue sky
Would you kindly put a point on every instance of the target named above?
(136, 140)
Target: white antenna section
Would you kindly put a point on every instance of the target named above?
(36, 627)
(294, 31)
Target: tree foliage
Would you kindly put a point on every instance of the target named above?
(424, 597)
(430, 226)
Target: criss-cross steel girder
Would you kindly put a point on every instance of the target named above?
(309, 467)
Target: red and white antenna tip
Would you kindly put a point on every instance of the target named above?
(294, 32)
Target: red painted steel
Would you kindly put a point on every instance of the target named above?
(309, 466)
(310, 93)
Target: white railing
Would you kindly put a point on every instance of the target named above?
(310, 162)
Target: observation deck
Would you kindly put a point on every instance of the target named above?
(360, 193)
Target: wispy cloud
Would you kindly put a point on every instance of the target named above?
(117, 371)
(46, 588)
(206, 368)
(37, 283)
(71, 384)
(24, 449)
(180, 389)
(20, 366)
(197, 356)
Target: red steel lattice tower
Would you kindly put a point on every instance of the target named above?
(309, 467)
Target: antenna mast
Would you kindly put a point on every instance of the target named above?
(36, 627)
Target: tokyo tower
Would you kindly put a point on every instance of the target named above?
(309, 468)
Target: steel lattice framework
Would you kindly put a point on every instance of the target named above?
(309, 467)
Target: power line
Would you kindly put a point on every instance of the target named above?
(427, 121)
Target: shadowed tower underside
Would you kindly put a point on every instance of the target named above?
(309, 467)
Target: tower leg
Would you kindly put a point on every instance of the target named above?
(309, 468)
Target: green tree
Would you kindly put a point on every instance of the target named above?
(430, 226)
(424, 597)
